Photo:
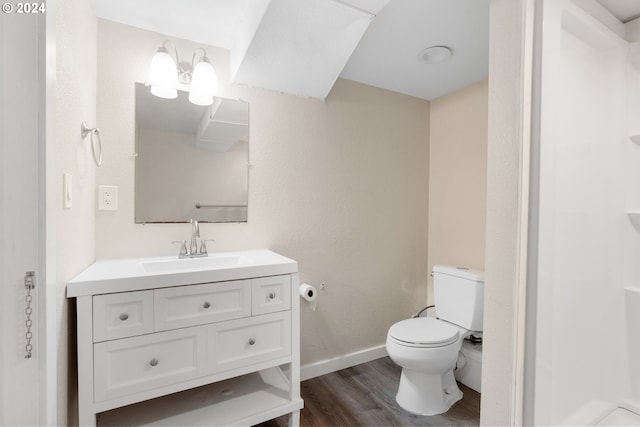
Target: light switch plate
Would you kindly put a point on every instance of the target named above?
(107, 198)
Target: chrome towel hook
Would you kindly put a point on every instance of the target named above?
(84, 131)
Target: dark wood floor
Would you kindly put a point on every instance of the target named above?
(365, 395)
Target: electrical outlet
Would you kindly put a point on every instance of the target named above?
(107, 198)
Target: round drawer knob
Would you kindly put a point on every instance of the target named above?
(252, 341)
(272, 295)
(153, 362)
(124, 316)
(206, 304)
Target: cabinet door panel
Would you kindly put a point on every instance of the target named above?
(247, 341)
(121, 315)
(130, 365)
(270, 294)
(184, 306)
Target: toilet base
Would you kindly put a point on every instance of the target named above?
(427, 394)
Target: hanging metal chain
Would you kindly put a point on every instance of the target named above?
(29, 285)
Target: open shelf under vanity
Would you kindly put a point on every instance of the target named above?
(244, 400)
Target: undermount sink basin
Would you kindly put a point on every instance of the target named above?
(195, 263)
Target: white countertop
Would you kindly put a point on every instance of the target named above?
(132, 274)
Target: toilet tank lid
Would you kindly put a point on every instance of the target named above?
(464, 272)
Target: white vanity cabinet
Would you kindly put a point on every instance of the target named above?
(181, 347)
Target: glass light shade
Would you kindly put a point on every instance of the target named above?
(204, 83)
(163, 76)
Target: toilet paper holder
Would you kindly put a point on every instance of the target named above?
(310, 294)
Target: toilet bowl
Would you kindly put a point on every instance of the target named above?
(427, 348)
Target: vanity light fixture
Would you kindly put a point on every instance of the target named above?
(165, 76)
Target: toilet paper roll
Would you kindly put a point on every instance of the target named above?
(310, 294)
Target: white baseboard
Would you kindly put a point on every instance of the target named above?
(323, 367)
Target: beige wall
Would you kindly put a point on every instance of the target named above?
(341, 186)
(457, 178)
(75, 82)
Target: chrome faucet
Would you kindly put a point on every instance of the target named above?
(192, 251)
(195, 234)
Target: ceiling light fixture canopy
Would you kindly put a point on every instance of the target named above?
(435, 54)
(165, 76)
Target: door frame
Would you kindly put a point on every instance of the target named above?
(48, 401)
(43, 329)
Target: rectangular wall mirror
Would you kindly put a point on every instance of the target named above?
(192, 161)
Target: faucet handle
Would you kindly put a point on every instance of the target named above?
(203, 246)
(183, 248)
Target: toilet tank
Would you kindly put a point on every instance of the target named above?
(459, 296)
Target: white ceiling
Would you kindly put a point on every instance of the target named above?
(624, 10)
(386, 56)
(300, 47)
(382, 52)
(212, 22)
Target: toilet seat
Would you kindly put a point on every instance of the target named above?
(424, 332)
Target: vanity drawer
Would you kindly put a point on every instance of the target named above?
(122, 315)
(184, 306)
(131, 365)
(247, 341)
(270, 294)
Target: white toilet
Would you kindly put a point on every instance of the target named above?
(427, 348)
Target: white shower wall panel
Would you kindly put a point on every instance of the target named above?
(632, 234)
(580, 335)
